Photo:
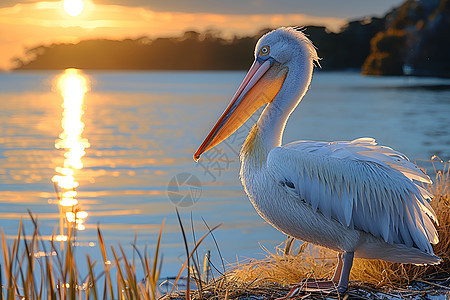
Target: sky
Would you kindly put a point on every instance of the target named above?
(29, 23)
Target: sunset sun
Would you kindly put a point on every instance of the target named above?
(73, 7)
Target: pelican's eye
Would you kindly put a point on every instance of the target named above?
(264, 50)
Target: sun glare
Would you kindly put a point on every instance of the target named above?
(73, 7)
(73, 85)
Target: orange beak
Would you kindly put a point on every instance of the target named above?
(260, 86)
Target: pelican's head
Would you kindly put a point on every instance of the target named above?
(276, 54)
(287, 46)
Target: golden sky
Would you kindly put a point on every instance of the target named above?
(32, 23)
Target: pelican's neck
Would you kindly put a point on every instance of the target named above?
(267, 133)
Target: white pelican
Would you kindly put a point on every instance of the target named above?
(356, 197)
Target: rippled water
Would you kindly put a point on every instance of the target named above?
(141, 129)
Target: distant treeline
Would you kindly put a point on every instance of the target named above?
(192, 51)
(196, 51)
(412, 39)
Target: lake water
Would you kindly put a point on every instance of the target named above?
(139, 131)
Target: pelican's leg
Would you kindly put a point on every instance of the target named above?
(345, 274)
(327, 286)
(337, 272)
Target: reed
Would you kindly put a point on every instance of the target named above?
(35, 268)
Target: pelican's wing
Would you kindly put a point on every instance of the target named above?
(360, 184)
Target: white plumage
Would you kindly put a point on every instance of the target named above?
(361, 185)
(354, 197)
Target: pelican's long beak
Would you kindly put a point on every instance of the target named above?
(260, 86)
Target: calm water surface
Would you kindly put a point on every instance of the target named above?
(139, 131)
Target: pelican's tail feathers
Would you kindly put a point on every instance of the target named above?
(376, 248)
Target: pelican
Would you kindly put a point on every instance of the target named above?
(355, 197)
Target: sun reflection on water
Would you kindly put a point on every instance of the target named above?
(72, 86)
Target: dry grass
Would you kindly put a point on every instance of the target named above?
(286, 267)
(227, 288)
(35, 268)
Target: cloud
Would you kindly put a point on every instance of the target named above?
(31, 24)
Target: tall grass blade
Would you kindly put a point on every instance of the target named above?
(29, 284)
(134, 243)
(190, 254)
(19, 261)
(91, 279)
(130, 273)
(105, 263)
(154, 275)
(6, 262)
(217, 247)
(143, 291)
(119, 287)
(195, 260)
(9, 261)
(186, 246)
(120, 274)
(50, 279)
(206, 268)
(105, 289)
(147, 274)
